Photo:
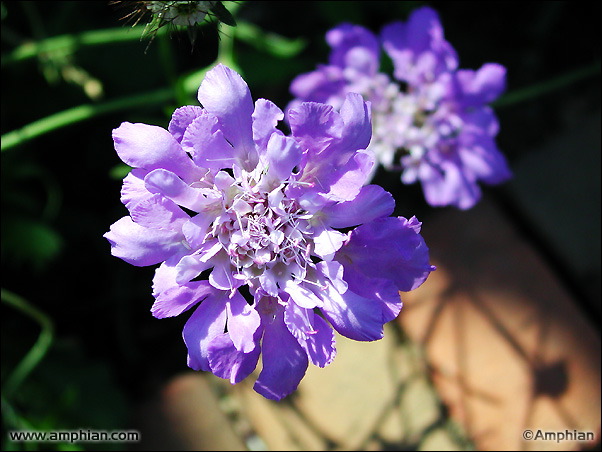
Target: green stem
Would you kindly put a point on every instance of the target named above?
(271, 43)
(226, 49)
(548, 86)
(72, 42)
(81, 113)
(37, 351)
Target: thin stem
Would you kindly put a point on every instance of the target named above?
(37, 351)
(72, 42)
(226, 48)
(548, 86)
(81, 113)
(271, 43)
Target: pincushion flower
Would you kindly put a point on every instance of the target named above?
(431, 120)
(275, 239)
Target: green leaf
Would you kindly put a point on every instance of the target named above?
(30, 241)
(271, 43)
(119, 171)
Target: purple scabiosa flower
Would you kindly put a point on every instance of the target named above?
(431, 120)
(275, 239)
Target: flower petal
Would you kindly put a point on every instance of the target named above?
(141, 246)
(158, 212)
(221, 276)
(354, 46)
(315, 126)
(181, 119)
(178, 299)
(206, 143)
(191, 266)
(357, 129)
(312, 332)
(386, 249)
(482, 86)
(196, 228)
(408, 43)
(283, 154)
(345, 182)
(327, 243)
(326, 85)
(448, 185)
(151, 147)
(133, 189)
(171, 186)
(265, 119)
(226, 95)
(284, 360)
(371, 203)
(206, 322)
(356, 317)
(301, 295)
(228, 362)
(243, 321)
(171, 298)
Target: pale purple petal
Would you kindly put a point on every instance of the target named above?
(486, 162)
(178, 299)
(171, 298)
(226, 95)
(482, 86)
(356, 317)
(243, 321)
(481, 158)
(334, 271)
(191, 266)
(355, 47)
(171, 186)
(418, 48)
(196, 228)
(265, 119)
(206, 143)
(301, 295)
(181, 118)
(221, 276)
(448, 185)
(133, 189)
(389, 249)
(315, 126)
(142, 246)
(357, 129)
(345, 182)
(158, 212)
(283, 154)
(151, 147)
(312, 332)
(206, 322)
(327, 243)
(326, 84)
(165, 276)
(284, 360)
(227, 362)
(371, 203)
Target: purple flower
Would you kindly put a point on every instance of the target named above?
(431, 121)
(275, 239)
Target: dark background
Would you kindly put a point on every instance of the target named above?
(60, 193)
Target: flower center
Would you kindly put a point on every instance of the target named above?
(411, 123)
(263, 232)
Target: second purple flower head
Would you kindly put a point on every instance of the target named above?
(431, 121)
